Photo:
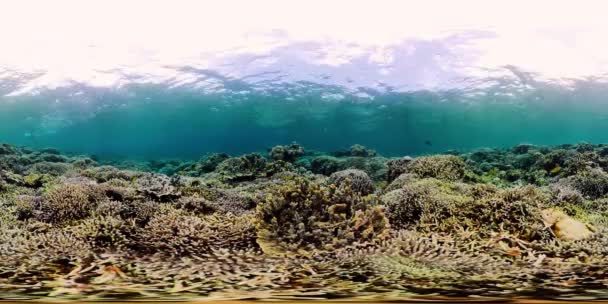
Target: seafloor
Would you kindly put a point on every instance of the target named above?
(525, 222)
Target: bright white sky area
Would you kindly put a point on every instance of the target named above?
(405, 43)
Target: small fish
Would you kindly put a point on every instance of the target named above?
(428, 143)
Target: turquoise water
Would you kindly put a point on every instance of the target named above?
(152, 121)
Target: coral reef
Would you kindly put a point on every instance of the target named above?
(305, 215)
(356, 179)
(286, 153)
(356, 150)
(448, 167)
(525, 221)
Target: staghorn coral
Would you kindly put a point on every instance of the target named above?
(66, 203)
(196, 205)
(106, 233)
(592, 183)
(204, 197)
(434, 205)
(356, 179)
(178, 233)
(305, 215)
(141, 212)
(448, 167)
(15, 163)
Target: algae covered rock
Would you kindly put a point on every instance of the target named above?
(565, 227)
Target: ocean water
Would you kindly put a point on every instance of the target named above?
(156, 121)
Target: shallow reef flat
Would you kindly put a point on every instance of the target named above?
(515, 224)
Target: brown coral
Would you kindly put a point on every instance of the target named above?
(358, 180)
(67, 202)
(305, 215)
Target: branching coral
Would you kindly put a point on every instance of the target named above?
(246, 167)
(106, 233)
(106, 173)
(433, 205)
(306, 215)
(65, 203)
(448, 167)
(175, 232)
(592, 183)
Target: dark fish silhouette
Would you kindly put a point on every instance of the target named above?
(428, 143)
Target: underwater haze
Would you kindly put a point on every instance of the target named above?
(410, 81)
(311, 150)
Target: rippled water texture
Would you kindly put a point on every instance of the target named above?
(416, 93)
